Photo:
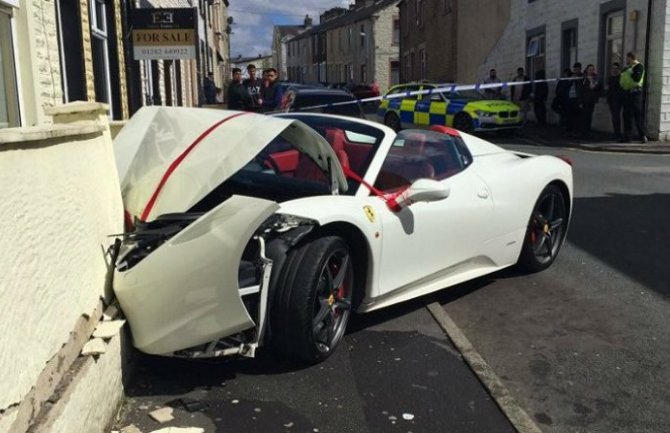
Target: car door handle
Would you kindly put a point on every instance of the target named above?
(483, 193)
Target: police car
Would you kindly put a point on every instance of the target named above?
(466, 110)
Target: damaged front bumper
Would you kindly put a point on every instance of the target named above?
(185, 293)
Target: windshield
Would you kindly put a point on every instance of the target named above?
(464, 94)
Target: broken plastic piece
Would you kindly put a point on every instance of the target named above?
(162, 415)
(108, 329)
(95, 346)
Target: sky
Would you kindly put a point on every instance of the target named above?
(254, 20)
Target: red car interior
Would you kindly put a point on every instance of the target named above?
(351, 155)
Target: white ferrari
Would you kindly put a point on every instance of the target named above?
(246, 230)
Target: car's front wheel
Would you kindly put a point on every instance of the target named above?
(312, 302)
(546, 231)
(463, 122)
(392, 121)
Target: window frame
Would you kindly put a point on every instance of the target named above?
(10, 73)
(102, 34)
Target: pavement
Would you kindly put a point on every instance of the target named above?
(556, 136)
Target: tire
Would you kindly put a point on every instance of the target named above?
(312, 300)
(463, 122)
(392, 121)
(507, 133)
(546, 231)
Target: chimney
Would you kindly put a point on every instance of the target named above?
(308, 21)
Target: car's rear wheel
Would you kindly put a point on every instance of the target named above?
(313, 300)
(546, 231)
(463, 122)
(392, 121)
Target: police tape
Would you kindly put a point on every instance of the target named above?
(445, 89)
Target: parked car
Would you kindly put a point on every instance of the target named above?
(322, 100)
(247, 230)
(466, 110)
(362, 91)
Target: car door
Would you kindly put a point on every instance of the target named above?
(408, 106)
(431, 108)
(427, 241)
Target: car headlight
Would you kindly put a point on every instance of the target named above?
(481, 113)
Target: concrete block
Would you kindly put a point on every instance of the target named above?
(162, 415)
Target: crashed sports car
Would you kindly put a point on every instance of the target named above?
(245, 230)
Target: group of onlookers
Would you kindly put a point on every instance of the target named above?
(253, 93)
(577, 93)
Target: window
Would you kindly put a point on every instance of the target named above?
(614, 23)
(362, 35)
(100, 53)
(411, 65)
(9, 103)
(349, 38)
(395, 72)
(535, 54)
(364, 73)
(421, 155)
(408, 68)
(396, 31)
(569, 46)
(405, 7)
(419, 13)
(423, 63)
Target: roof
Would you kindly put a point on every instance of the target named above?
(348, 18)
(285, 30)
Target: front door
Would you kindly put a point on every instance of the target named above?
(427, 240)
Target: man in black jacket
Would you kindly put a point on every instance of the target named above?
(540, 93)
(615, 97)
(273, 93)
(238, 96)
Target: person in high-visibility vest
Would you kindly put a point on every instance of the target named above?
(631, 81)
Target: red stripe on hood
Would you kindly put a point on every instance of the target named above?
(176, 162)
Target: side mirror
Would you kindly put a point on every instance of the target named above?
(426, 190)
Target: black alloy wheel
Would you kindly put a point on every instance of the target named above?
(313, 300)
(463, 122)
(392, 121)
(546, 230)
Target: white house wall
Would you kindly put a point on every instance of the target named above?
(509, 53)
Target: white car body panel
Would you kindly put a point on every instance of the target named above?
(197, 150)
(478, 229)
(195, 274)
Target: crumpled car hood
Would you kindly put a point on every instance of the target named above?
(169, 158)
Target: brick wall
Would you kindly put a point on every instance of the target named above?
(86, 49)
(384, 50)
(122, 83)
(46, 57)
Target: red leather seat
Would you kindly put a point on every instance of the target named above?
(337, 140)
(415, 165)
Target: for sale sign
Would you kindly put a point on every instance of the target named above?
(167, 34)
